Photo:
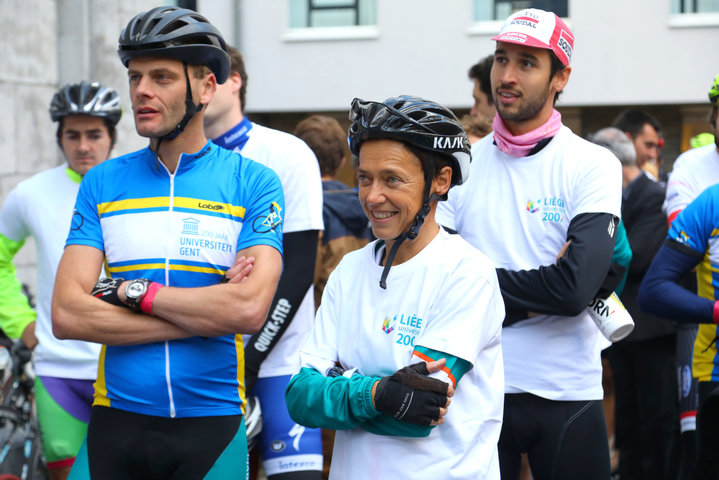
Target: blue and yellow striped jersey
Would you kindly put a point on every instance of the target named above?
(182, 230)
(697, 227)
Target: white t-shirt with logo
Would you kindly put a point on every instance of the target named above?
(694, 171)
(296, 165)
(446, 298)
(517, 210)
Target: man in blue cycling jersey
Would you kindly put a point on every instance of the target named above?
(177, 226)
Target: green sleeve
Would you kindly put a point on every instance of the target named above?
(337, 403)
(622, 254)
(384, 424)
(15, 312)
(341, 403)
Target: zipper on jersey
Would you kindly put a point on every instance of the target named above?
(168, 246)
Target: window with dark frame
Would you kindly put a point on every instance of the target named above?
(695, 6)
(318, 10)
(498, 10)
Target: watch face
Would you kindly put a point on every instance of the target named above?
(135, 289)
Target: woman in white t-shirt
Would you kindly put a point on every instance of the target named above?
(411, 323)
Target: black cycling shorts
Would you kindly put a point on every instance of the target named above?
(563, 439)
(122, 445)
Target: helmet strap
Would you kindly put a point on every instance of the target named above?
(413, 230)
(190, 110)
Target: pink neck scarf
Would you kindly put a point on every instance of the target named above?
(521, 145)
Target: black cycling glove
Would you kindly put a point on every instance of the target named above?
(411, 396)
(106, 290)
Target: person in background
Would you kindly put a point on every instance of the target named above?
(694, 171)
(476, 127)
(690, 245)
(289, 451)
(346, 226)
(41, 207)
(644, 363)
(645, 132)
(479, 73)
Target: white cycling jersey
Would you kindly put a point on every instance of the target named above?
(693, 171)
(296, 165)
(42, 207)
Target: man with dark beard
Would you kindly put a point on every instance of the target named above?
(537, 189)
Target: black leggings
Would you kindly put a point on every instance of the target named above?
(707, 464)
(563, 439)
(123, 445)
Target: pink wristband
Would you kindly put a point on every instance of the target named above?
(715, 312)
(146, 302)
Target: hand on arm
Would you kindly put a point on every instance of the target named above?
(410, 395)
(239, 272)
(566, 287)
(239, 306)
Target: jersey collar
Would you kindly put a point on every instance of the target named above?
(235, 138)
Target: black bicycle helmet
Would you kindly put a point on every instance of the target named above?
(86, 98)
(423, 124)
(178, 33)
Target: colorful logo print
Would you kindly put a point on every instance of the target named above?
(386, 328)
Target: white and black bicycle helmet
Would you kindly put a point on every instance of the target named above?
(86, 98)
(180, 34)
(422, 124)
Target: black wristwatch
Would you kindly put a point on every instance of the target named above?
(135, 291)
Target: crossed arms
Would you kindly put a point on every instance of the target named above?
(235, 307)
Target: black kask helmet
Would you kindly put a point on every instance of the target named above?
(86, 98)
(423, 124)
(178, 33)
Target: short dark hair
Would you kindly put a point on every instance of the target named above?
(327, 139)
(632, 122)
(556, 66)
(237, 65)
(431, 162)
(480, 71)
(108, 125)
